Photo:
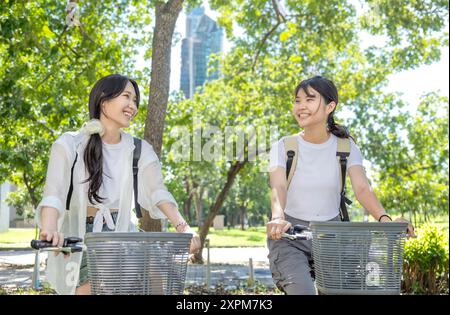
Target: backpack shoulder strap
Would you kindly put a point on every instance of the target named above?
(136, 156)
(342, 153)
(69, 193)
(343, 147)
(291, 153)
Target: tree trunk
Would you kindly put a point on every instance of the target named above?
(188, 201)
(198, 201)
(425, 216)
(166, 14)
(148, 224)
(415, 217)
(214, 209)
(31, 191)
(187, 208)
(242, 213)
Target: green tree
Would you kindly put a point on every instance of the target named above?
(47, 69)
(249, 199)
(414, 178)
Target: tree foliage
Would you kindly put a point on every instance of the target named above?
(47, 71)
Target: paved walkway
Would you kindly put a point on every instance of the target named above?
(228, 266)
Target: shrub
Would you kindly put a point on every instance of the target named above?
(426, 262)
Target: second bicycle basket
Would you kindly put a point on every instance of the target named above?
(357, 257)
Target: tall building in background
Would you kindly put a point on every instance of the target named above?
(203, 38)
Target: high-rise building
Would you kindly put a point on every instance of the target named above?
(203, 38)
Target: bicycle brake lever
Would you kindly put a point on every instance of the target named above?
(288, 235)
(72, 240)
(76, 249)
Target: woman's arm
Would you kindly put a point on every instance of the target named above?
(278, 185)
(180, 224)
(49, 231)
(174, 216)
(51, 208)
(161, 198)
(365, 194)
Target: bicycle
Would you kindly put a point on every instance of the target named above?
(131, 263)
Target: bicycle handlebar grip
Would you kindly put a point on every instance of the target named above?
(38, 244)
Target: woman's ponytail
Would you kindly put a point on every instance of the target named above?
(338, 130)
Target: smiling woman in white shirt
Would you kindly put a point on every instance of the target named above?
(97, 160)
(314, 192)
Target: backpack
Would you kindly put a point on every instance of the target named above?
(343, 151)
(136, 156)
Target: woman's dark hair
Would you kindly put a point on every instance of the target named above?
(104, 89)
(328, 91)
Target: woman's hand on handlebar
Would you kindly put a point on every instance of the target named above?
(195, 244)
(277, 227)
(55, 237)
(195, 241)
(410, 228)
(49, 231)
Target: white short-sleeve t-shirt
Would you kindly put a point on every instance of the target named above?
(112, 170)
(314, 192)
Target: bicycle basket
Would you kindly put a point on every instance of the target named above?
(357, 257)
(137, 263)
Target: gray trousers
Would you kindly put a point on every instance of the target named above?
(291, 262)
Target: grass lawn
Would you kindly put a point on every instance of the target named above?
(254, 236)
(19, 237)
(235, 237)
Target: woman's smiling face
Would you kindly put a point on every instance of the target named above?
(120, 110)
(310, 109)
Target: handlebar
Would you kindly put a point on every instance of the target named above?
(298, 232)
(70, 245)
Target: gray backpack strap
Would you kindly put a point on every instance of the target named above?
(343, 152)
(136, 156)
(291, 152)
